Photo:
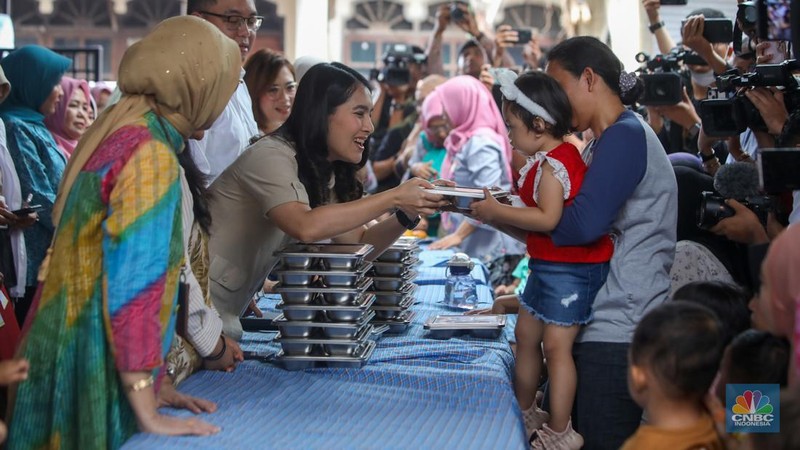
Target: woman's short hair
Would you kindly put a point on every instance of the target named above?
(324, 88)
(578, 53)
(261, 70)
(544, 90)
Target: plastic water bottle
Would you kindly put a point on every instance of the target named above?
(460, 288)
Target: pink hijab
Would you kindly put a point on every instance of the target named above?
(782, 268)
(55, 121)
(471, 111)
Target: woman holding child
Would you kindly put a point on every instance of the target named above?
(628, 193)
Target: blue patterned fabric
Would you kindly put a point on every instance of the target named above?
(415, 393)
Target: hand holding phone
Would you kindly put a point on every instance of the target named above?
(524, 35)
(27, 210)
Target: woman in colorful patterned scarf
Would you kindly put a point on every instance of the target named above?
(105, 312)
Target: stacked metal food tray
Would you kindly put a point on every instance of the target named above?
(393, 285)
(326, 306)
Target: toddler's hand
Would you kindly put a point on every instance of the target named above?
(13, 371)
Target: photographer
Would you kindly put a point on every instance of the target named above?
(395, 110)
(473, 54)
(744, 226)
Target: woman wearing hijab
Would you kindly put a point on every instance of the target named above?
(478, 155)
(104, 315)
(73, 115)
(35, 72)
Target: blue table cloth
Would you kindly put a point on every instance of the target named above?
(415, 393)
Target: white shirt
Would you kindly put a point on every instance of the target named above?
(228, 137)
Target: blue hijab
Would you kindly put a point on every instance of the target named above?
(33, 72)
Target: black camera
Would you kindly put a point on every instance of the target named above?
(713, 209)
(456, 13)
(728, 112)
(396, 61)
(662, 83)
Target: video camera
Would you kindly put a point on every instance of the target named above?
(662, 82)
(396, 61)
(728, 112)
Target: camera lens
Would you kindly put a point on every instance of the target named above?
(712, 210)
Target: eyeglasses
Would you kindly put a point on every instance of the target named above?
(275, 92)
(234, 22)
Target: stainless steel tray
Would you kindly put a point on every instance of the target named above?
(296, 295)
(394, 269)
(399, 252)
(478, 326)
(461, 196)
(332, 313)
(392, 283)
(393, 298)
(393, 312)
(398, 325)
(336, 330)
(324, 256)
(323, 347)
(330, 278)
(355, 361)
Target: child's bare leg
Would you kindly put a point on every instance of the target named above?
(528, 366)
(558, 342)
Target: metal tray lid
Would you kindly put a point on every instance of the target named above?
(363, 302)
(326, 250)
(463, 322)
(360, 270)
(361, 286)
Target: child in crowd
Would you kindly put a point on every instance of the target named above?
(674, 357)
(519, 277)
(728, 301)
(563, 281)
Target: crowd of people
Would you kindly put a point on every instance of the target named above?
(136, 227)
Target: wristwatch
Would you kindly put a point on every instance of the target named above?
(655, 26)
(406, 221)
(692, 132)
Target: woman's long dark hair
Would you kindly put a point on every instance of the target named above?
(322, 89)
(578, 53)
(197, 186)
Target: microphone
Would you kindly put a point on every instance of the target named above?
(738, 181)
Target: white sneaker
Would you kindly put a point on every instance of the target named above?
(534, 417)
(547, 439)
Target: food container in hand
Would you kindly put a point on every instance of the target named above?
(460, 196)
(478, 326)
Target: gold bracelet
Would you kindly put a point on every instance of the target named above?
(141, 384)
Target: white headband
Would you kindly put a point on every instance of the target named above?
(506, 78)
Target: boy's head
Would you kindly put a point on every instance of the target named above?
(675, 353)
(728, 301)
(754, 357)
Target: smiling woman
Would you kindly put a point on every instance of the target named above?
(72, 115)
(301, 184)
(270, 81)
